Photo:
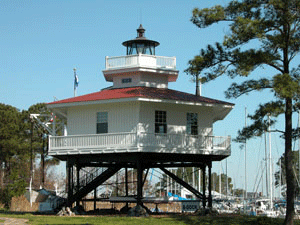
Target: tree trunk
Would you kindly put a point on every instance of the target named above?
(290, 179)
(2, 174)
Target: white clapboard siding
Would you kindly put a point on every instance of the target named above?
(122, 117)
(176, 117)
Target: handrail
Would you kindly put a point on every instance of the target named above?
(87, 178)
(135, 140)
(140, 60)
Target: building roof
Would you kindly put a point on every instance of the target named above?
(140, 92)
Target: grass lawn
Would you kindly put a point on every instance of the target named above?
(152, 220)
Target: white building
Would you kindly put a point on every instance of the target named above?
(137, 122)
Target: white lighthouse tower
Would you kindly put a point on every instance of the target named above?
(138, 123)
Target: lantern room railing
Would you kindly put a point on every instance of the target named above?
(144, 142)
(149, 61)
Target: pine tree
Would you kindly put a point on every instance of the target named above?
(21, 143)
(14, 155)
(273, 28)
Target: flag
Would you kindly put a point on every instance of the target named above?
(52, 118)
(76, 81)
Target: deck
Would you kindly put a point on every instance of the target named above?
(130, 142)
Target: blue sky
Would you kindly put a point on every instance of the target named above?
(42, 41)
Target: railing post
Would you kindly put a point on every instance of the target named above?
(205, 142)
(65, 141)
(139, 140)
(49, 143)
(185, 141)
(138, 59)
(106, 62)
(228, 144)
(174, 63)
(138, 136)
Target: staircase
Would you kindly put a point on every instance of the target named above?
(91, 181)
(87, 183)
(88, 177)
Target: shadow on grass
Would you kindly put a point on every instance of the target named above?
(3, 211)
(227, 220)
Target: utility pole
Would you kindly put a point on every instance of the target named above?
(31, 163)
(44, 136)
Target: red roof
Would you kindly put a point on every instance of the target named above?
(142, 92)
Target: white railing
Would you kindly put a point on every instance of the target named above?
(129, 141)
(196, 142)
(92, 141)
(151, 61)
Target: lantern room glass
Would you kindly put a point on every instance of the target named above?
(140, 48)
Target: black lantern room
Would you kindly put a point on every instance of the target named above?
(140, 45)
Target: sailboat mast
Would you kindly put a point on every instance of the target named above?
(226, 180)
(220, 180)
(299, 146)
(280, 179)
(266, 166)
(270, 162)
(245, 195)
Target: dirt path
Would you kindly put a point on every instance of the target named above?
(13, 221)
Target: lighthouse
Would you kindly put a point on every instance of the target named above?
(138, 122)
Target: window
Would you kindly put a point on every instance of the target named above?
(160, 122)
(102, 122)
(192, 123)
(126, 80)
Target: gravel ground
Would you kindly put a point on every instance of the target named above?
(13, 221)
